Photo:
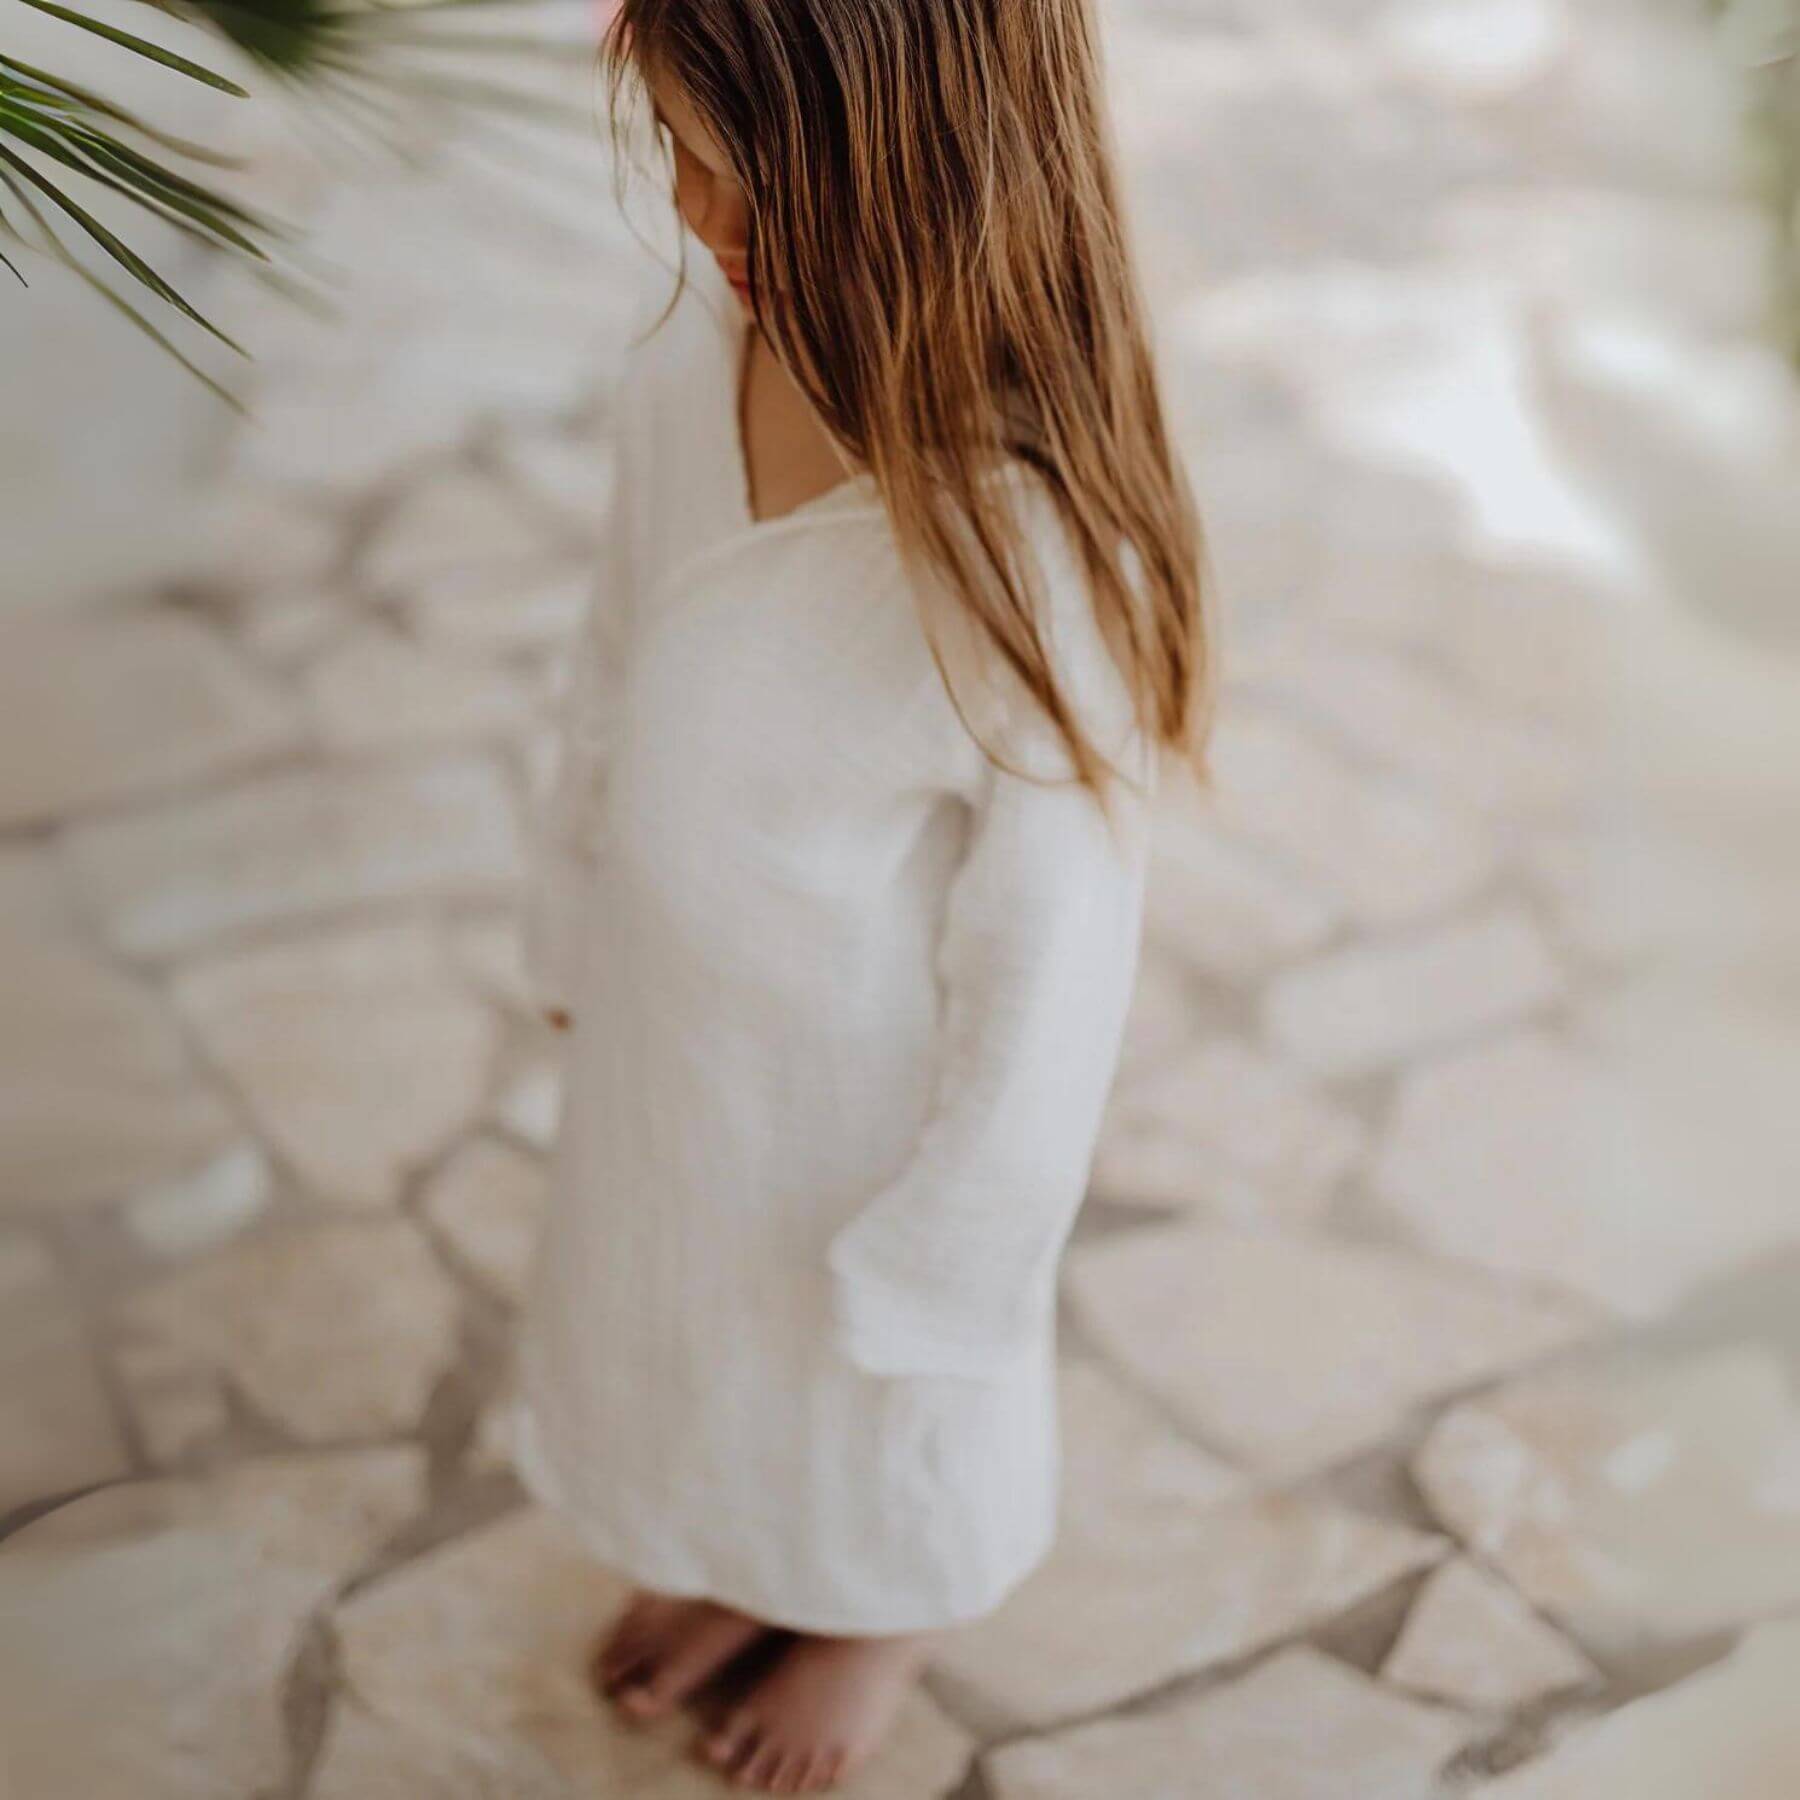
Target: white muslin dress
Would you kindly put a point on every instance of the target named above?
(847, 1003)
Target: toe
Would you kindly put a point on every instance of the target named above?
(787, 1775)
(759, 1768)
(737, 1765)
(699, 1652)
(614, 1674)
(625, 1646)
(640, 1697)
(723, 1747)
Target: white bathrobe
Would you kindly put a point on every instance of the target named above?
(848, 1001)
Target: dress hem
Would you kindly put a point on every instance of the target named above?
(533, 1464)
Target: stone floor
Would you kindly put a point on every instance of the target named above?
(1432, 1328)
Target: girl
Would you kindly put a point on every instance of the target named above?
(842, 877)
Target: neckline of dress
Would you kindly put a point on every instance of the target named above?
(857, 492)
(857, 495)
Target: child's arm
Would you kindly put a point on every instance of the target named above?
(568, 826)
(951, 1267)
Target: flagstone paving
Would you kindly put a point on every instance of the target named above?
(1430, 1350)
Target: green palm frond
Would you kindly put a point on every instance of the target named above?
(358, 61)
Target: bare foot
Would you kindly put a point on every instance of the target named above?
(817, 1715)
(661, 1650)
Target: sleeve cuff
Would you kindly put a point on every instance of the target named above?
(883, 1334)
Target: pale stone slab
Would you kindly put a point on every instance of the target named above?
(1165, 1563)
(1635, 1503)
(1471, 1641)
(1397, 712)
(467, 1671)
(568, 475)
(1221, 907)
(530, 1105)
(1521, 1155)
(487, 1200)
(1710, 1065)
(1731, 1732)
(1390, 855)
(1366, 1007)
(290, 846)
(98, 1094)
(288, 626)
(481, 612)
(266, 539)
(490, 953)
(57, 1429)
(379, 691)
(330, 1331)
(1299, 1726)
(188, 1214)
(1473, 51)
(450, 521)
(1229, 1129)
(31, 893)
(1160, 1022)
(1528, 633)
(359, 1054)
(145, 1631)
(1292, 1352)
(104, 707)
(177, 1400)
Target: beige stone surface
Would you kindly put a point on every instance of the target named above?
(289, 846)
(201, 1209)
(178, 1401)
(1711, 1064)
(287, 626)
(491, 955)
(1472, 1642)
(98, 1094)
(377, 690)
(1391, 856)
(568, 474)
(145, 1631)
(1525, 1155)
(1728, 1733)
(1288, 1351)
(1220, 905)
(1228, 1129)
(141, 701)
(1398, 712)
(1374, 1004)
(487, 1201)
(1159, 1023)
(537, 606)
(1637, 1501)
(1299, 1726)
(473, 1661)
(1166, 1562)
(530, 1104)
(309, 1032)
(57, 1427)
(462, 520)
(32, 898)
(331, 1331)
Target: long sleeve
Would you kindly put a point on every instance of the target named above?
(950, 1268)
(567, 828)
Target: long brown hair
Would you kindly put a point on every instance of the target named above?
(932, 194)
